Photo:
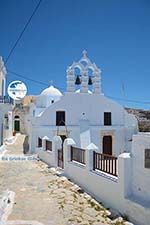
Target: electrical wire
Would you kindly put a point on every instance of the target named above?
(26, 78)
(45, 84)
(21, 34)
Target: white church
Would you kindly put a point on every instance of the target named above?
(82, 113)
(91, 137)
(94, 140)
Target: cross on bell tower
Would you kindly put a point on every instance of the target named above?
(84, 53)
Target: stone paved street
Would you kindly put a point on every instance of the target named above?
(43, 196)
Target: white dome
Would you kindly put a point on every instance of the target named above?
(51, 91)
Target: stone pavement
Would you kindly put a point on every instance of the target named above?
(44, 198)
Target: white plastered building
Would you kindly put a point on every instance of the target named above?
(85, 115)
(5, 106)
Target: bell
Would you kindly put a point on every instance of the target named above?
(78, 81)
(90, 81)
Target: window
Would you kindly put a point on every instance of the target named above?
(6, 122)
(147, 158)
(107, 118)
(60, 118)
(39, 142)
(48, 145)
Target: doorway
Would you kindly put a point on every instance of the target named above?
(61, 153)
(107, 145)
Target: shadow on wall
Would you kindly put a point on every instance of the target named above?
(26, 145)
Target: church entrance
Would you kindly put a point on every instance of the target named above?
(107, 145)
(17, 124)
(61, 153)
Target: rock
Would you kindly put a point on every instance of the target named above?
(94, 201)
(76, 213)
(128, 223)
(88, 197)
(108, 213)
(75, 188)
(118, 220)
(91, 212)
(58, 173)
(85, 222)
(88, 217)
(52, 169)
(69, 199)
(98, 223)
(63, 179)
(114, 214)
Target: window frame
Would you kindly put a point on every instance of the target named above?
(60, 119)
(107, 118)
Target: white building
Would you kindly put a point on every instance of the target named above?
(5, 106)
(82, 113)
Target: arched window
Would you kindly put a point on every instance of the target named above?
(77, 73)
(17, 117)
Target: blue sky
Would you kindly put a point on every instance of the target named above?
(115, 33)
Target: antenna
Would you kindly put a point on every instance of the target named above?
(123, 90)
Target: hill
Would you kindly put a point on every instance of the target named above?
(143, 117)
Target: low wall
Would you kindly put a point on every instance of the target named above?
(137, 212)
(104, 187)
(128, 193)
(49, 157)
(2, 148)
(46, 157)
(141, 175)
(114, 192)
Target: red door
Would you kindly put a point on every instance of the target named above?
(107, 145)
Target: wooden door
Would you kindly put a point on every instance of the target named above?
(107, 145)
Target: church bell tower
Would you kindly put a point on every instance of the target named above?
(84, 78)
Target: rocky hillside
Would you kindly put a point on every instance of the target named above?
(143, 117)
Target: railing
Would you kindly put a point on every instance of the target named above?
(78, 155)
(105, 163)
(39, 142)
(48, 145)
(6, 99)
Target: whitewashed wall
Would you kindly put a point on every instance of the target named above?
(4, 109)
(141, 175)
(98, 183)
(119, 193)
(128, 193)
(93, 107)
(50, 157)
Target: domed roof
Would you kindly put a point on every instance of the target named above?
(51, 91)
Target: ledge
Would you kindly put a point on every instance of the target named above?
(105, 175)
(78, 164)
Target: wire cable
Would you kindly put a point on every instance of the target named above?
(20, 35)
(45, 84)
(26, 78)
